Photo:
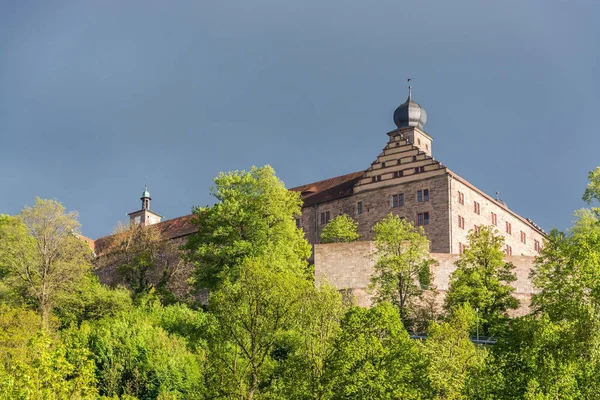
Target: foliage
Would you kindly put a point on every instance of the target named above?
(592, 191)
(373, 357)
(482, 280)
(254, 217)
(41, 254)
(450, 356)
(340, 229)
(134, 357)
(252, 314)
(91, 301)
(33, 365)
(402, 267)
(143, 258)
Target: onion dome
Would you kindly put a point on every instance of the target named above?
(146, 193)
(410, 113)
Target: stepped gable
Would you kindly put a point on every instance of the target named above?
(328, 189)
(169, 229)
(400, 161)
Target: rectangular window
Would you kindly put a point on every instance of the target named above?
(297, 222)
(383, 164)
(523, 237)
(461, 222)
(423, 219)
(494, 219)
(536, 245)
(461, 248)
(476, 229)
(414, 158)
(378, 178)
(395, 200)
(373, 179)
(422, 195)
(508, 250)
(398, 174)
(476, 207)
(461, 198)
(327, 217)
(359, 207)
(508, 228)
(401, 199)
(322, 218)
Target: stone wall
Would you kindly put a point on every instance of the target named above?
(348, 266)
(377, 203)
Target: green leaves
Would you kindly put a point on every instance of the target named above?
(253, 218)
(340, 229)
(482, 280)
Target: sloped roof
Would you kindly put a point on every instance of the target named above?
(328, 189)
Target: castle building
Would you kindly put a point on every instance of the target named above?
(407, 181)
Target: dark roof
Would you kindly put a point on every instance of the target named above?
(328, 189)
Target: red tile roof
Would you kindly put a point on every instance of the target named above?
(328, 189)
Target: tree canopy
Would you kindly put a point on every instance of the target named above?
(340, 229)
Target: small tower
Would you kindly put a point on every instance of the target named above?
(144, 216)
(410, 118)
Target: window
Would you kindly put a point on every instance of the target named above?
(476, 229)
(423, 219)
(461, 248)
(419, 142)
(476, 207)
(426, 147)
(494, 219)
(461, 222)
(461, 198)
(398, 200)
(397, 174)
(422, 195)
(399, 161)
(508, 250)
(359, 207)
(383, 164)
(523, 237)
(508, 228)
(536, 245)
(419, 169)
(414, 158)
(325, 217)
(297, 222)
(378, 178)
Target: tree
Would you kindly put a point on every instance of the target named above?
(143, 258)
(252, 314)
(482, 280)
(253, 218)
(373, 357)
(41, 254)
(592, 191)
(340, 229)
(450, 355)
(402, 267)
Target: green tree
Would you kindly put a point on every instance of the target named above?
(340, 229)
(482, 280)
(252, 314)
(402, 266)
(253, 217)
(302, 352)
(592, 192)
(374, 357)
(41, 254)
(450, 355)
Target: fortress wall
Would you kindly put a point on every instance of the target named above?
(348, 266)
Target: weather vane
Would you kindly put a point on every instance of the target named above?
(409, 87)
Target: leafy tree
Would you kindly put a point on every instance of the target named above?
(592, 192)
(253, 217)
(450, 355)
(402, 267)
(40, 253)
(33, 365)
(340, 229)
(135, 357)
(302, 352)
(373, 357)
(252, 314)
(91, 301)
(482, 280)
(143, 258)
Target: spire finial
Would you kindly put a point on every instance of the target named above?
(409, 89)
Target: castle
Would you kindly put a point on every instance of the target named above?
(406, 180)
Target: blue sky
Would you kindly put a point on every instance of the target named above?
(95, 96)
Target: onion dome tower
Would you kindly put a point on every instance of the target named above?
(410, 113)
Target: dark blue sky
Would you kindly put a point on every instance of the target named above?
(97, 95)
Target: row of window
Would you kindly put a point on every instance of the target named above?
(507, 250)
(398, 200)
(422, 218)
(398, 174)
(461, 224)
